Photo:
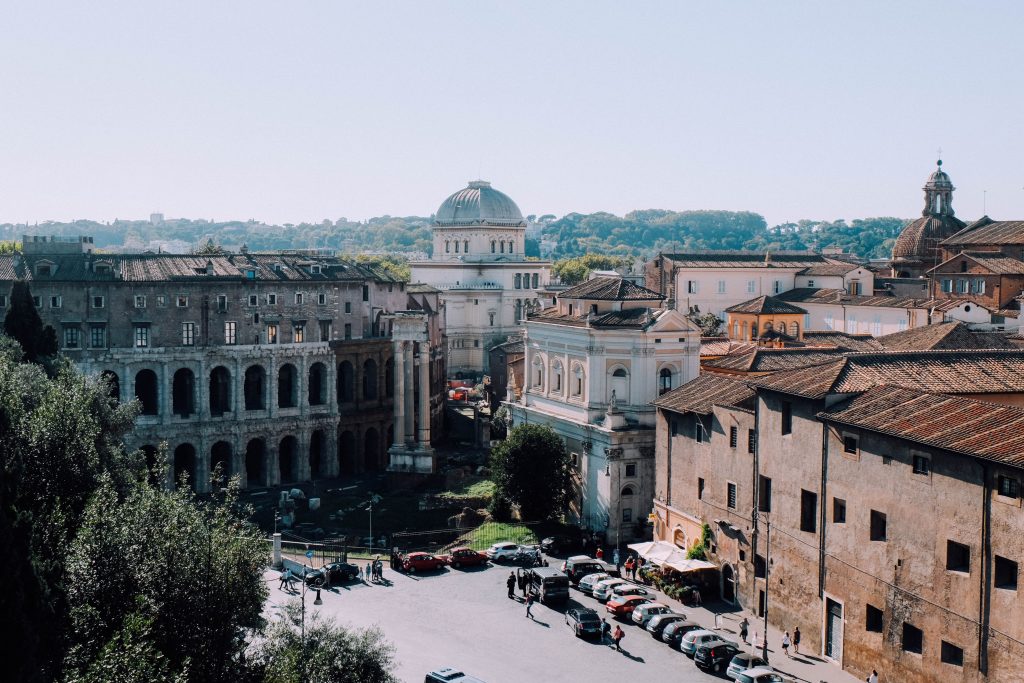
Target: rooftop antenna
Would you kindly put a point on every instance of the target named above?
(984, 204)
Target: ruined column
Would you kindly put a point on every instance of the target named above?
(399, 402)
(410, 395)
(424, 431)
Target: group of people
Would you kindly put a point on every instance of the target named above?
(374, 570)
(793, 642)
(616, 636)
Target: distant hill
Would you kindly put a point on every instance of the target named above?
(638, 233)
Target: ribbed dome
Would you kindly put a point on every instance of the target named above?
(920, 239)
(479, 204)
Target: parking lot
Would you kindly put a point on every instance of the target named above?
(464, 619)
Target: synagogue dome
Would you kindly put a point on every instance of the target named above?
(479, 204)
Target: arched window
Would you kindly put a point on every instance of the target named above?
(456, 246)
(577, 380)
(494, 246)
(147, 391)
(794, 330)
(503, 246)
(768, 327)
(287, 386)
(536, 279)
(664, 380)
(511, 247)
(255, 379)
(447, 246)
(619, 386)
(183, 400)
(370, 379)
(346, 382)
(538, 372)
(556, 377)
(220, 391)
(753, 330)
(317, 384)
(518, 281)
(465, 246)
(626, 491)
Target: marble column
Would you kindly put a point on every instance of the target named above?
(399, 402)
(424, 430)
(410, 395)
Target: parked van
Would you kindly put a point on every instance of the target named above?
(548, 585)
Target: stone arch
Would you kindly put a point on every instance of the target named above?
(254, 388)
(346, 383)
(389, 378)
(183, 393)
(370, 379)
(255, 457)
(220, 391)
(371, 450)
(728, 583)
(317, 454)
(794, 330)
(220, 456)
(287, 459)
(147, 391)
(113, 384)
(664, 380)
(185, 464)
(287, 386)
(618, 383)
(347, 452)
(317, 384)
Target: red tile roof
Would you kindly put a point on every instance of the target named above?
(993, 262)
(746, 259)
(952, 423)
(987, 231)
(706, 391)
(841, 340)
(766, 359)
(765, 305)
(607, 288)
(947, 335)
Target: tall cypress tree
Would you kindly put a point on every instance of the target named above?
(24, 324)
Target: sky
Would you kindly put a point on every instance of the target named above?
(304, 111)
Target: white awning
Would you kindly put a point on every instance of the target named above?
(667, 554)
(689, 565)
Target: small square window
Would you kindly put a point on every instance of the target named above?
(1005, 574)
(222, 302)
(958, 557)
(271, 299)
(182, 302)
(161, 300)
(254, 300)
(348, 306)
(57, 302)
(951, 654)
(298, 298)
(140, 301)
(849, 444)
(913, 638)
(838, 511)
(97, 302)
(878, 524)
(1007, 486)
(734, 436)
(922, 464)
(873, 619)
(321, 299)
(731, 496)
(37, 301)
(631, 469)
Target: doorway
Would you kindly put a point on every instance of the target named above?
(833, 630)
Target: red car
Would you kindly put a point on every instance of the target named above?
(623, 605)
(465, 557)
(418, 562)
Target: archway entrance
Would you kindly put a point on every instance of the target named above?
(255, 451)
(185, 464)
(147, 392)
(347, 453)
(728, 583)
(183, 402)
(371, 452)
(286, 460)
(316, 454)
(220, 462)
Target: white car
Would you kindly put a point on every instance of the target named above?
(644, 613)
(694, 639)
(506, 550)
(603, 589)
(587, 583)
(762, 674)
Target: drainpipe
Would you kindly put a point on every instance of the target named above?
(985, 594)
(668, 461)
(821, 512)
(753, 513)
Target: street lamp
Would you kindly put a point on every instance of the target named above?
(761, 516)
(374, 499)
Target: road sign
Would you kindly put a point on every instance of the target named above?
(309, 554)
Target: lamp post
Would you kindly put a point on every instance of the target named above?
(761, 516)
(374, 499)
(316, 601)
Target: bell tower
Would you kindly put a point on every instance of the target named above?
(938, 193)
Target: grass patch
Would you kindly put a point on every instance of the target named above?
(473, 489)
(489, 533)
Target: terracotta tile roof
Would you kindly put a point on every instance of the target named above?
(607, 288)
(746, 259)
(635, 318)
(841, 340)
(813, 381)
(807, 295)
(766, 305)
(987, 231)
(723, 346)
(947, 335)
(706, 391)
(952, 423)
(993, 262)
(763, 359)
(833, 268)
(920, 238)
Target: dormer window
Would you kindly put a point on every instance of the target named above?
(278, 267)
(250, 274)
(44, 269)
(315, 270)
(102, 269)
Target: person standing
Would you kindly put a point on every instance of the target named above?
(511, 583)
(873, 678)
(600, 554)
(630, 567)
(286, 576)
(744, 629)
(617, 637)
(606, 629)
(369, 569)
(786, 643)
(529, 605)
(796, 640)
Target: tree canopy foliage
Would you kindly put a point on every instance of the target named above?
(571, 271)
(531, 470)
(23, 324)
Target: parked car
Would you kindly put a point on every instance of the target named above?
(528, 556)
(603, 590)
(547, 584)
(743, 661)
(694, 639)
(644, 613)
(715, 655)
(421, 562)
(448, 675)
(578, 566)
(465, 557)
(629, 589)
(332, 573)
(587, 583)
(623, 605)
(501, 552)
(673, 633)
(658, 623)
(559, 543)
(762, 674)
(585, 622)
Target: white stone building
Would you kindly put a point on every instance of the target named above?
(479, 264)
(594, 363)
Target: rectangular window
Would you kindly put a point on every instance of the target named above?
(56, 301)
(854, 288)
(721, 286)
(787, 417)
(97, 336)
(627, 514)
(188, 334)
(254, 300)
(951, 654)
(222, 302)
(829, 321)
(751, 286)
(698, 430)
(849, 444)
(71, 337)
(947, 286)
(325, 330)
(3, 301)
(922, 464)
(731, 496)
(877, 525)
(1007, 486)
(838, 511)
(700, 488)
(751, 440)
(141, 336)
(271, 334)
(1005, 574)
(962, 286)
(366, 292)
(348, 330)
(760, 567)
(764, 493)
(692, 286)
(734, 436)
(777, 286)
(299, 334)
(348, 306)
(97, 302)
(230, 333)
(808, 511)
(913, 638)
(37, 301)
(631, 469)
(810, 284)
(181, 302)
(958, 557)
(140, 301)
(873, 619)
(298, 298)
(271, 299)
(161, 300)
(321, 299)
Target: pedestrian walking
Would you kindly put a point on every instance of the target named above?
(511, 583)
(286, 577)
(873, 678)
(718, 620)
(786, 642)
(630, 567)
(744, 628)
(523, 583)
(617, 637)
(529, 605)
(606, 630)
(796, 640)
(600, 554)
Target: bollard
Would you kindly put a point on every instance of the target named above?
(277, 551)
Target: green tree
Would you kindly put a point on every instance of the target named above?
(392, 265)
(532, 470)
(329, 654)
(24, 325)
(571, 271)
(710, 324)
(130, 656)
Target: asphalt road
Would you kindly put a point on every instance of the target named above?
(464, 619)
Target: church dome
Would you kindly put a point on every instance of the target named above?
(479, 204)
(917, 246)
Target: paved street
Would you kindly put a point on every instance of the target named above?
(464, 619)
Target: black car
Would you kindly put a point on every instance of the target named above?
(675, 631)
(585, 622)
(657, 625)
(715, 656)
(553, 545)
(330, 574)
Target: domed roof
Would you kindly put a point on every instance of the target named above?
(939, 179)
(479, 204)
(920, 239)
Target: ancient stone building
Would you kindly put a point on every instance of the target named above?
(274, 367)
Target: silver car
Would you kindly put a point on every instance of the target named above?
(603, 590)
(742, 662)
(762, 674)
(694, 639)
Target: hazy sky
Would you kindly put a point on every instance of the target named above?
(292, 111)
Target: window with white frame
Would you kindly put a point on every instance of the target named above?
(141, 336)
(271, 334)
(721, 286)
(161, 300)
(140, 301)
(97, 336)
(230, 332)
(182, 301)
(751, 286)
(692, 287)
(665, 380)
(188, 334)
(298, 298)
(298, 333)
(321, 299)
(72, 337)
(56, 301)
(577, 380)
(254, 300)
(271, 299)
(222, 302)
